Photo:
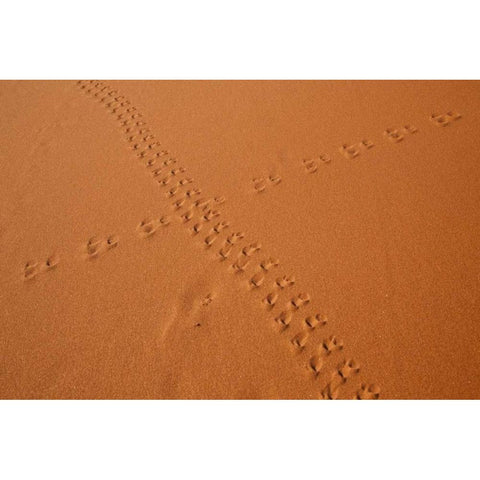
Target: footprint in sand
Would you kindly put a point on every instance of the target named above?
(235, 237)
(207, 300)
(257, 280)
(192, 192)
(300, 300)
(284, 318)
(326, 348)
(316, 363)
(339, 378)
(349, 151)
(410, 129)
(30, 270)
(332, 344)
(315, 321)
(445, 119)
(368, 392)
(271, 299)
(285, 281)
(310, 165)
(197, 228)
(241, 263)
(187, 216)
(393, 135)
(249, 250)
(93, 247)
(300, 339)
(225, 251)
(210, 239)
(275, 179)
(178, 204)
(148, 227)
(220, 226)
(96, 246)
(259, 184)
(348, 368)
(210, 214)
(269, 263)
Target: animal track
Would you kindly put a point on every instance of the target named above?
(220, 226)
(285, 318)
(397, 135)
(366, 144)
(30, 270)
(368, 392)
(210, 239)
(315, 321)
(274, 179)
(95, 246)
(210, 214)
(197, 228)
(148, 226)
(241, 263)
(300, 300)
(225, 251)
(327, 347)
(354, 150)
(348, 368)
(269, 263)
(311, 164)
(393, 135)
(112, 241)
(410, 129)
(349, 151)
(300, 339)
(316, 363)
(445, 119)
(186, 199)
(33, 268)
(285, 281)
(207, 300)
(271, 299)
(187, 216)
(332, 344)
(260, 184)
(249, 250)
(257, 280)
(339, 378)
(235, 237)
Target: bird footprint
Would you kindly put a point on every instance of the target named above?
(315, 321)
(33, 268)
(368, 392)
(446, 119)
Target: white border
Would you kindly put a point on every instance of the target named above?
(252, 39)
(238, 439)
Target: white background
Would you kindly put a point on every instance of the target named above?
(255, 40)
(239, 440)
(246, 39)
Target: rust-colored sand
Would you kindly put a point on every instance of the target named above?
(239, 239)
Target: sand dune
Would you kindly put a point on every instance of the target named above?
(313, 240)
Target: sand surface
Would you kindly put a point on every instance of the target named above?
(239, 239)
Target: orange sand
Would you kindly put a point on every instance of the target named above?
(239, 239)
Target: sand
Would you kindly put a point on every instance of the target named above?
(291, 240)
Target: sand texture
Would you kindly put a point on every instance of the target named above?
(235, 239)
